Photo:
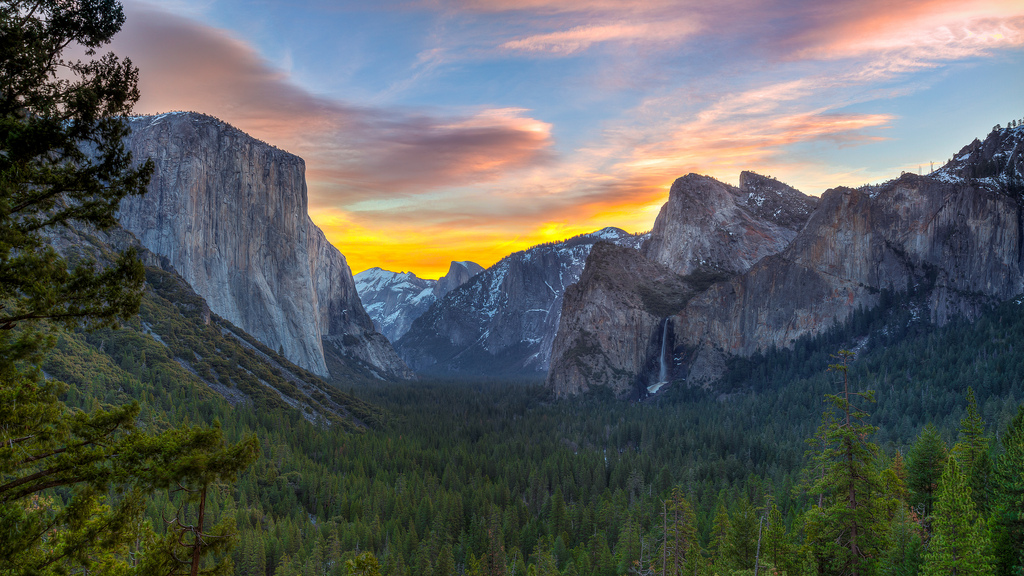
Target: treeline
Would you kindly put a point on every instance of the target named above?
(497, 478)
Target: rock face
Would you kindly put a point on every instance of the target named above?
(394, 299)
(997, 162)
(712, 225)
(955, 237)
(230, 214)
(503, 321)
(958, 243)
(458, 274)
(613, 323)
(613, 319)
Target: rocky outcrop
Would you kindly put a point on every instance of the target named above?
(712, 225)
(954, 238)
(229, 212)
(395, 299)
(958, 244)
(458, 274)
(706, 232)
(612, 323)
(503, 321)
(995, 163)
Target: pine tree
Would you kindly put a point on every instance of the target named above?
(496, 563)
(960, 543)
(971, 450)
(925, 463)
(1008, 513)
(777, 549)
(445, 565)
(365, 564)
(720, 530)
(628, 548)
(851, 522)
(904, 555)
(63, 163)
(741, 546)
(679, 544)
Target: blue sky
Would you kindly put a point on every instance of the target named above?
(442, 130)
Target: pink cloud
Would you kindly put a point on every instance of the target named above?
(360, 152)
(924, 29)
(563, 6)
(582, 37)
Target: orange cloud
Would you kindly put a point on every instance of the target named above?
(414, 189)
(358, 152)
(559, 6)
(582, 37)
(923, 29)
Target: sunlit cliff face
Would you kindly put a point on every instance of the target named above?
(465, 130)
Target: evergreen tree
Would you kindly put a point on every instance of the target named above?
(720, 530)
(959, 544)
(854, 507)
(628, 549)
(925, 463)
(904, 555)
(546, 565)
(776, 548)
(679, 544)
(445, 565)
(73, 485)
(971, 450)
(741, 547)
(365, 564)
(1008, 514)
(496, 563)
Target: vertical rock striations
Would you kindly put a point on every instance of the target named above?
(707, 231)
(958, 244)
(955, 238)
(229, 212)
(503, 321)
(711, 225)
(610, 334)
(395, 299)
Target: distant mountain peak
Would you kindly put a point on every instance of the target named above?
(997, 162)
(231, 214)
(395, 299)
(504, 320)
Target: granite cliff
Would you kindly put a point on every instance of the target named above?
(503, 321)
(954, 238)
(613, 320)
(712, 225)
(395, 299)
(230, 214)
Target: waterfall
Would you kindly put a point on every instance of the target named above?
(663, 372)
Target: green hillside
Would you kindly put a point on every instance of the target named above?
(473, 475)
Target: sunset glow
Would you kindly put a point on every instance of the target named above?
(469, 129)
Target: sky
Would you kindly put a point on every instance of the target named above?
(440, 130)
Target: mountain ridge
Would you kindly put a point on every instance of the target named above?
(707, 230)
(503, 321)
(230, 214)
(955, 237)
(395, 299)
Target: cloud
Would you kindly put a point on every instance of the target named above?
(570, 6)
(356, 152)
(402, 154)
(923, 29)
(582, 37)
(713, 88)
